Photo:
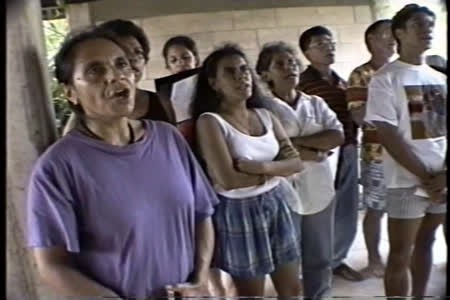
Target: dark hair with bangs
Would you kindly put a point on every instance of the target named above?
(372, 29)
(407, 12)
(267, 53)
(306, 36)
(126, 28)
(181, 40)
(206, 99)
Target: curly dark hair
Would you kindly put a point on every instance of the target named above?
(267, 53)
(206, 98)
(126, 28)
(181, 40)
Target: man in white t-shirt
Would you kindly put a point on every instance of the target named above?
(407, 104)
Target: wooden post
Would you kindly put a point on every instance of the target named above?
(30, 130)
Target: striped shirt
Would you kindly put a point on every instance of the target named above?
(312, 83)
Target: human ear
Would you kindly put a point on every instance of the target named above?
(71, 94)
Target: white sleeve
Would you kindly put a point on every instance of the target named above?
(328, 117)
(381, 99)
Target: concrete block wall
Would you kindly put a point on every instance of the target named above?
(252, 28)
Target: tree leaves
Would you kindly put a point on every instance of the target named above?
(55, 32)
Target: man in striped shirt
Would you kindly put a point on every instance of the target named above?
(319, 79)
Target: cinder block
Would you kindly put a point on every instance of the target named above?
(363, 14)
(351, 33)
(335, 15)
(332, 28)
(351, 52)
(254, 19)
(156, 68)
(204, 41)
(245, 38)
(296, 16)
(286, 34)
(156, 44)
(189, 23)
(204, 54)
(252, 59)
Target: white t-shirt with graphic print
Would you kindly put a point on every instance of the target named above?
(414, 99)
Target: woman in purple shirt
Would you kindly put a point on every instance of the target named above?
(117, 207)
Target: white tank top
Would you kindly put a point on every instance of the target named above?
(241, 145)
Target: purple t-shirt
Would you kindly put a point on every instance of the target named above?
(128, 214)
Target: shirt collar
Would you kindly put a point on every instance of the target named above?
(312, 73)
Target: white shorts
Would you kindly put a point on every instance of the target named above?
(401, 203)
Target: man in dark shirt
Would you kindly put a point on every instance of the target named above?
(319, 79)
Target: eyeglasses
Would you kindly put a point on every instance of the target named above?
(324, 45)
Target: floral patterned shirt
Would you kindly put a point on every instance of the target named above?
(371, 150)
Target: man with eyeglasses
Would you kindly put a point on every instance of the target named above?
(319, 79)
(381, 45)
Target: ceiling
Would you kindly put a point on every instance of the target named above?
(53, 3)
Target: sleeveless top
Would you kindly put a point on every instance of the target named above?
(244, 146)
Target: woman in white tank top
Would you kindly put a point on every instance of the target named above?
(247, 153)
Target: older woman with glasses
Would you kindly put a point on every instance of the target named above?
(106, 215)
(137, 47)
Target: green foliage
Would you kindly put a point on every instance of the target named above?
(54, 32)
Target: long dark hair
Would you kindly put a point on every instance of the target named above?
(206, 99)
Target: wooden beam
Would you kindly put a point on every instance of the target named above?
(103, 10)
(30, 130)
